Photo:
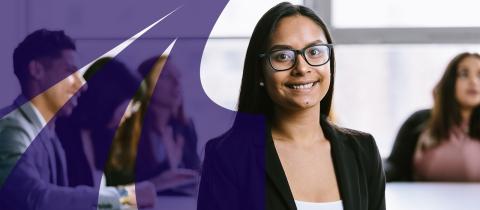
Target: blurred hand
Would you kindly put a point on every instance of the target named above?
(175, 178)
(142, 194)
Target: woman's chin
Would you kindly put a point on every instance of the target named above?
(303, 104)
(470, 104)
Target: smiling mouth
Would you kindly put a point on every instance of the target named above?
(302, 85)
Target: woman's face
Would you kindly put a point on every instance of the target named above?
(467, 90)
(168, 90)
(303, 86)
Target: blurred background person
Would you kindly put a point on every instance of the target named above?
(88, 133)
(120, 167)
(33, 169)
(169, 140)
(443, 144)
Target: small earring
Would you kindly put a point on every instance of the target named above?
(261, 84)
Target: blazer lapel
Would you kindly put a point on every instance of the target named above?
(344, 161)
(60, 160)
(345, 166)
(45, 139)
(275, 172)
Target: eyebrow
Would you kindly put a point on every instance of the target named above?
(281, 47)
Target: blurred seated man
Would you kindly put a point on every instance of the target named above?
(33, 173)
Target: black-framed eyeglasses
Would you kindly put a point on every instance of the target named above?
(285, 59)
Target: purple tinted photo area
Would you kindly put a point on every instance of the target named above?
(188, 28)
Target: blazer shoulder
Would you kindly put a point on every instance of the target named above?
(352, 134)
(16, 129)
(361, 143)
(240, 138)
(415, 123)
(419, 117)
(217, 142)
(226, 144)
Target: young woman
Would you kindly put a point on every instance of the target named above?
(310, 163)
(443, 144)
(169, 146)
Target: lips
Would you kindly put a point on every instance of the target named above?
(301, 85)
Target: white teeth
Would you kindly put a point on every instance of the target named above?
(304, 86)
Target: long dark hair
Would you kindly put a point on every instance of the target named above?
(446, 110)
(110, 83)
(253, 98)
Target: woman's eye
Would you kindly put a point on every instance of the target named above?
(282, 57)
(463, 74)
(317, 51)
(314, 52)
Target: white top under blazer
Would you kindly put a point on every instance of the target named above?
(335, 205)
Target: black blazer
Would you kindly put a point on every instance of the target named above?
(233, 175)
(399, 165)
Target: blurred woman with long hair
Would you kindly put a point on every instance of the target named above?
(443, 144)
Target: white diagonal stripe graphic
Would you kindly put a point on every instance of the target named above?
(119, 48)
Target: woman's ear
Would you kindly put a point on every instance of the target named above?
(36, 70)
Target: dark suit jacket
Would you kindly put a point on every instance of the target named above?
(233, 174)
(32, 166)
(399, 165)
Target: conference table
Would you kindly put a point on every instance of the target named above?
(171, 203)
(398, 196)
(432, 196)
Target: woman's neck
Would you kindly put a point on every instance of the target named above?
(301, 127)
(465, 114)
